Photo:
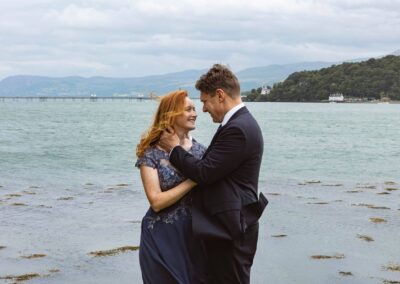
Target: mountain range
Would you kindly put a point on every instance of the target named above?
(35, 86)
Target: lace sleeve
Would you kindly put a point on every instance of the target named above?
(147, 159)
(199, 149)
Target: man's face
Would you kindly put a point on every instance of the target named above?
(213, 106)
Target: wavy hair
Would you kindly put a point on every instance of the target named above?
(171, 106)
(219, 77)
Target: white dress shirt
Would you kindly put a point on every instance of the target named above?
(230, 113)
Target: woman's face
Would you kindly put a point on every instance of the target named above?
(187, 120)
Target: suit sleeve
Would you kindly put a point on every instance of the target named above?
(224, 156)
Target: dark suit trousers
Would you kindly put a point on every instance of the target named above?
(230, 261)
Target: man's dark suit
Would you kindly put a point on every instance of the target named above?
(226, 208)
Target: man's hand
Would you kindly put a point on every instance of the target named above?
(168, 139)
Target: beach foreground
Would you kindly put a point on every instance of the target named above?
(312, 232)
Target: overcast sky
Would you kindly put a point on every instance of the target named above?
(130, 38)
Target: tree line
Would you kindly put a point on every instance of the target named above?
(371, 79)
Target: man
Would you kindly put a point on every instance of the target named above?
(226, 208)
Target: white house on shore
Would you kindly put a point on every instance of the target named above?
(336, 97)
(265, 90)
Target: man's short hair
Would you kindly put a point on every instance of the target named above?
(219, 77)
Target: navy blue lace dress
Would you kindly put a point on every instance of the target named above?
(169, 253)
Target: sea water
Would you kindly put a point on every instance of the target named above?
(68, 187)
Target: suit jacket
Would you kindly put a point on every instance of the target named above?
(225, 203)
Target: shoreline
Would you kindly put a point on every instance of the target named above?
(139, 99)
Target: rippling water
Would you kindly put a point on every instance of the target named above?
(68, 187)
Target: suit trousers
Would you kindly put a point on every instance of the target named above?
(230, 261)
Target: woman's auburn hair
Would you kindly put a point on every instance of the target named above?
(171, 106)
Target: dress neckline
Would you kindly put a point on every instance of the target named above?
(167, 153)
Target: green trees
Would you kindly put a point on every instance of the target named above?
(372, 79)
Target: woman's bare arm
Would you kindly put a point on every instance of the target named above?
(162, 199)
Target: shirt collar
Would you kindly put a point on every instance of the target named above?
(230, 113)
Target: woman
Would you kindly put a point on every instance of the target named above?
(168, 251)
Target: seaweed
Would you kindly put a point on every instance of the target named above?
(392, 267)
(23, 277)
(365, 238)
(345, 273)
(279, 236)
(36, 255)
(335, 256)
(113, 251)
(377, 220)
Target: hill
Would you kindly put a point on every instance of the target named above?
(372, 79)
(26, 85)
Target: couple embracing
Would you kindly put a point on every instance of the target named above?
(202, 224)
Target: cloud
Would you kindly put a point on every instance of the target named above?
(136, 38)
(80, 17)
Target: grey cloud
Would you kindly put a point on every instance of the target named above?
(132, 38)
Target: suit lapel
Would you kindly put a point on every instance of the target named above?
(220, 128)
(212, 140)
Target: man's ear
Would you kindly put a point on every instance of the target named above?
(221, 95)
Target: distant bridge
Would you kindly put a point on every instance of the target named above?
(72, 98)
